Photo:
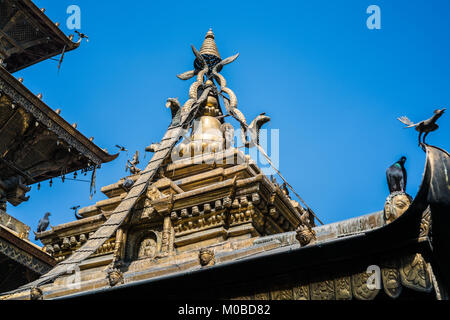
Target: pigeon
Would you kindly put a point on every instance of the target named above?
(396, 176)
(127, 184)
(43, 224)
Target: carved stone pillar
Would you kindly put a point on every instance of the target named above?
(166, 235)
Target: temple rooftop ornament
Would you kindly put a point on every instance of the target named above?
(208, 223)
(425, 126)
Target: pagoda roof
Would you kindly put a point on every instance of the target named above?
(18, 256)
(342, 248)
(28, 36)
(35, 141)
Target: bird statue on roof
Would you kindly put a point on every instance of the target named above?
(175, 108)
(253, 130)
(425, 126)
(396, 176)
(42, 224)
(75, 210)
(152, 147)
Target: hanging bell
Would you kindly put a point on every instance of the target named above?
(63, 178)
(51, 182)
(39, 186)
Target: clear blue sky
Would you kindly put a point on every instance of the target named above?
(333, 87)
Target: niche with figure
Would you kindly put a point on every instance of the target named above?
(143, 245)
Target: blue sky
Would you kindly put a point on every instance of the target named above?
(331, 86)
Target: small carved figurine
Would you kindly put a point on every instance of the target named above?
(305, 235)
(114, 276)
(36, 294)
(396, 204)
(132, 164)
(206, 257)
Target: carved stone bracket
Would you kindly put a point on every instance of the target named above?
(414, 273)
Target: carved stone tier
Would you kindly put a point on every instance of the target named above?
(190, 205)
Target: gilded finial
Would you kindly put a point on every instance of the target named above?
(209, 45)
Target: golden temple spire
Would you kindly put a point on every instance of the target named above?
(209, 45)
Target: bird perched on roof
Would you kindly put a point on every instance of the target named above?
(396, 176)
(75, 210)
(425, 126)
(43, 224)
(82, 36)
(121, 148)
(127, 184)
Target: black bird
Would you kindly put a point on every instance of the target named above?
(75, 210)
(82, 35)
(43, 224)
(121, 148)
(396, 176)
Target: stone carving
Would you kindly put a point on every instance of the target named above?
(206, 257)
(343, 288)
(301, 292)
(262, 296)
(282, 293)
(114, 276)
(323, 290)
(147, 248)
(360, 289)
(131, 165)
(305, 235)
(36, 294)
(425, 223)
(395, 205)
(414, 273)
(390, 276)
(153, 193)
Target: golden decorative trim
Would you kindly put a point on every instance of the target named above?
(392, 284)
(414, 273)
(360, 289)
(322, 290)
(343, 288)
(301, 292)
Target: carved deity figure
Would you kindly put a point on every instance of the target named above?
(396, 204)
(114, 276)
(147, 248)
(206, 257)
